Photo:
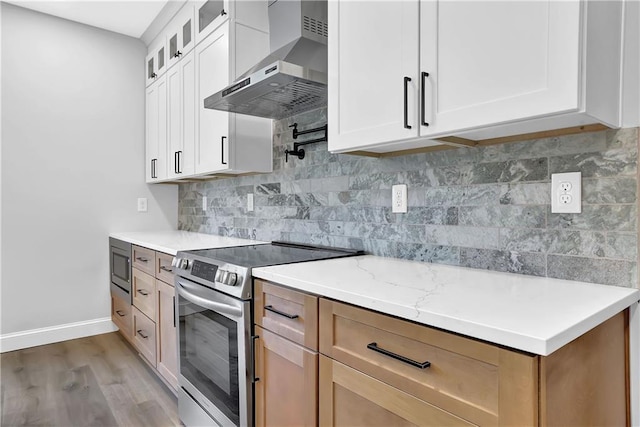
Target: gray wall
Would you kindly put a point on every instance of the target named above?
(72, 166)
(485, 208)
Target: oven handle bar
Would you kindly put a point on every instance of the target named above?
(207, 303)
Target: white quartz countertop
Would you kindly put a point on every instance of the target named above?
(533, 314)
(172, 241)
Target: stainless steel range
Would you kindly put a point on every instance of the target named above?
(214, 292)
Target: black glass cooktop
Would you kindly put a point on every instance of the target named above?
(274, 253)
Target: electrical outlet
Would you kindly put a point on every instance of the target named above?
(250, 202)
(566, 192)
(142, 204)
(204, 203)
(399, 198)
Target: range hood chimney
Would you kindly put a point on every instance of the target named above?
(293, 78)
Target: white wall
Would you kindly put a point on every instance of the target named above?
(72, 167)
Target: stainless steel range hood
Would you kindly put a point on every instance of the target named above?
(293, 78)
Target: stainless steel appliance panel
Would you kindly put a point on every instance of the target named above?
(214, 333)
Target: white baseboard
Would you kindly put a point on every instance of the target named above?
(42, 336)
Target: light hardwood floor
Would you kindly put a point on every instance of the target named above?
(93, 381)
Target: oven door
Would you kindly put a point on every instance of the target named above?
(214, 333)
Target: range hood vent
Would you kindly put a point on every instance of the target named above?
(293, 78)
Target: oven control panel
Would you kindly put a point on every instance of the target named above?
(204, 270)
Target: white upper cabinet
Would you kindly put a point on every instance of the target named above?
(156, 130)
(209, 15)
(181, 35)
(181, 106)
(228, 142)
(204, 50)
(156, 61)
(471, 69)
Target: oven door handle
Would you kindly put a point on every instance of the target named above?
(207, 303)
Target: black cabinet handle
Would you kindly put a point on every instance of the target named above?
(253, 358)
(120, 313)
(143, 292)
(153, 168)
(179, 161)
(222, 12)
(177, 54)
(374, 346)
(406, 102)
(222, 148)
(139, 331)
(423, 99)
(174, 312)
(273, 310)
(175, 162)
(164, 268)
(154, 75)
(141, 259)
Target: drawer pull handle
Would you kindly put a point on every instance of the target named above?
(143, 292)
(120, 313)
(374, 346)
(168, 270)
(141, 259)
(273, 310)
(139, 331)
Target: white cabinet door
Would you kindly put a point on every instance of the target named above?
(495, 62)
(373, 72)
(156, 61)
(209, 15)
(181, 35)
(156, 130)
(174, 120)
(212, 74)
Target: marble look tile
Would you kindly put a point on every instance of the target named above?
(606, 271)
(329, 213)
(613, 162)
(428, 253)
(583, 243)
(378, 181)
(509, 171)
(609, 190)
(507, 261)
(525, 194)
(268, 188)
(464, 195)
(503, 216)
(478, 237)
(598, 217)
(433, 177)
(622, 246)
(423, 215)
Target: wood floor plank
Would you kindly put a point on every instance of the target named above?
(99, 380)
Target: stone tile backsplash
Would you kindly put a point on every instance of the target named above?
(485, 208)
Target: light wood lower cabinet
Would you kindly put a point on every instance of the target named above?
(350, 398)
(379, 370)
(286, 393)
(144, 335)
(121, 316)
(166, 345)
(150, 324)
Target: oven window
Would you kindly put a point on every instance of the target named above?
(209, 356)
(120, 265)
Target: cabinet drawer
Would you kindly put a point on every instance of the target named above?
(350, 398)
(463, 376)
(144, 293)
(291, 314)
(164, 271)
(143, 259)
(121, 315)
(144, 330)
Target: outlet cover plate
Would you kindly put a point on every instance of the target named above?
(399, 198)
(566, 192)
(142, 204)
